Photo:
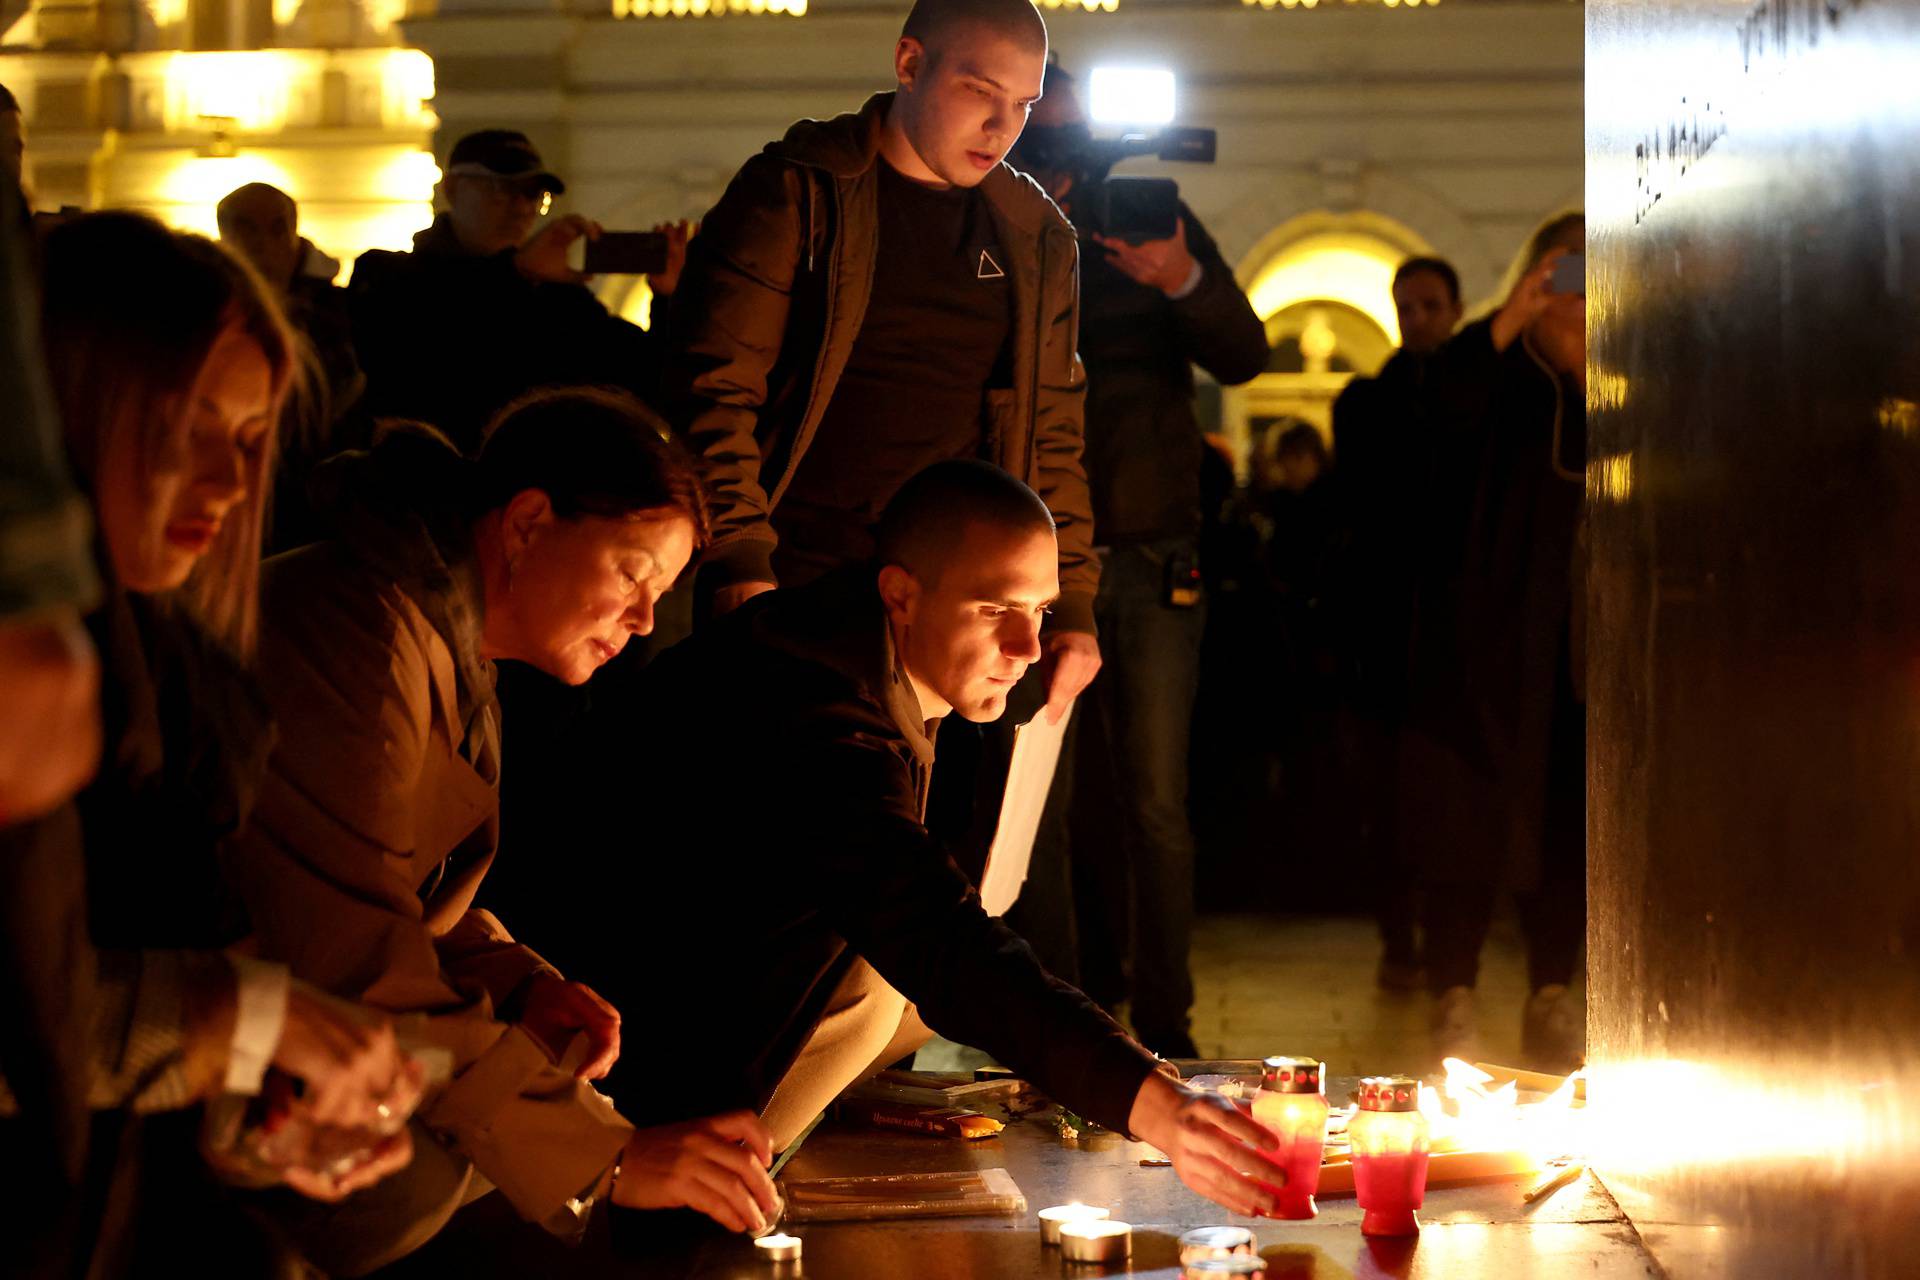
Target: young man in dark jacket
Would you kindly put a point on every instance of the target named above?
(806, 859)
(1151, 312)
(877, 292)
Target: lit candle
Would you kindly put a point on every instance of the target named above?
(778, 1248)
(1390, 1144)
(1290, 1103)
(1207, 1243)
(1245, 1266)
(1051, 1220)
(1096, 1241)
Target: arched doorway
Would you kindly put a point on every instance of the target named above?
(1323, 284)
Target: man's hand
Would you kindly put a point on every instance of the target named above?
(1071, 661)
(1529, 300)
(1215, 1146)
(1160, 264)
(556, 1010)
(717, 1165)
(544, 257)
(50, 741)
(729, 598)
(663, 283)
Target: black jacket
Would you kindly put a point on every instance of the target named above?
(1499, 601)
(1143, 442)
(1384, 452)
(778, 833)
(449, 338)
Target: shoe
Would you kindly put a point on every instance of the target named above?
(1401, 977)
(1553, 1035)
(1456, 1029)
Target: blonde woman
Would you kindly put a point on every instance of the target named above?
(168, 364)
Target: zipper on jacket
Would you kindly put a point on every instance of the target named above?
(1039, 349)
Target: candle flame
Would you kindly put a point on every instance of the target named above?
(1464, 1114)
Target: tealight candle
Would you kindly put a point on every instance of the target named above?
(1096, 1241)
(778, 1248)
(1051, 1220)
(1247, 1266)
(1206, 1243)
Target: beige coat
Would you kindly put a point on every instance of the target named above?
(372, 834)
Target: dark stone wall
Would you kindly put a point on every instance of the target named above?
(1754, 520)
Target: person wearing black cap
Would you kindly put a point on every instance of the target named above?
(485, 308)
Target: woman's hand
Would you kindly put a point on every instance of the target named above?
(717, 1165)
(349, 1061)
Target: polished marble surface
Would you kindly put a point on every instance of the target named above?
(1753, 199)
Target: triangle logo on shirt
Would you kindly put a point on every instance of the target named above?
(989, 269)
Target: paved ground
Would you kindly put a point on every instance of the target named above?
(1305, 985)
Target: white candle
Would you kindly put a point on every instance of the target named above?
(778, 1248)
(1096, 1241)
(1051, 1220)
(1203, 1244)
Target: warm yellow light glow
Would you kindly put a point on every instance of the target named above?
(1606, 389)
(1663, 1115)
(638, 305)
(248, 88)
(1902, 417)
(381, 211)
(1610, 479)
(1464, 1115)
(285, 11)
(407, 75)
(1342, 267)
(189, 191)
(382, 14)
(165, 13)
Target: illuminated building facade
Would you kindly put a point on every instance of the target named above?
(167, 105)
(1351, 134)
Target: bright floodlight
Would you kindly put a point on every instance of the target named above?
(1131, 95)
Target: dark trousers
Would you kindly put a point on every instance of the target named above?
(1128, 767)
(1369, 743)
(1553, 908)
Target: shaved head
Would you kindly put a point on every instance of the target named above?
(931, 22)
(925, 523)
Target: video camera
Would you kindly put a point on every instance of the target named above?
(1135, 210)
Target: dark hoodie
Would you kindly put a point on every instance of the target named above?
(746, 892)
(449, 338)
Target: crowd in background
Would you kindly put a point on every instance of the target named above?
(259, 1001)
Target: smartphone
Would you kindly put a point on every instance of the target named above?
(1570, 274)
(627, 253)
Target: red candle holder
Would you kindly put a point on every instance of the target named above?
(1390, 1145)
(1291, 1105)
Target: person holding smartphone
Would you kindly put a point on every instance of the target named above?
(486, 308)
(1494, 757)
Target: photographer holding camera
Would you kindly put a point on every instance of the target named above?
(1153, 304)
